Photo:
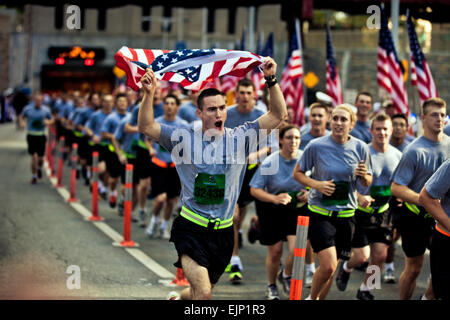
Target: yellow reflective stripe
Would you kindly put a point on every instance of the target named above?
(325, 212)
(78, 134)
(111, 148)
(412, 207)
(251, 166)
(128, 155)
(381, 209)
(142, 144)
(36, 133)
(202, 221)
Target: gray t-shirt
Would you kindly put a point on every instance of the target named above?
(362, 131)
(383, 165)
(236, 118)
(196, 167)
(283, 180)
(438, 186)
(307, 137)
(330, 160)
(420, 160)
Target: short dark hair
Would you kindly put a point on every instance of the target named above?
(437, 102)
(120, 95)
(170, 95)
(286, 128)
(245, 82)
(209, 92)
(364, 93)
(379, 117)
(400, 115)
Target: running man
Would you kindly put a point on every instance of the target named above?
(363, 104)
(373, 217)
(435, 197)
(38, 116)
(419, 161)
(203, 232)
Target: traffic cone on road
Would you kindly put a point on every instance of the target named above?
(180, 279)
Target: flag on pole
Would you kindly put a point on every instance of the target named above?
(192, 69)
(420, 72)
(292, 77)
(389, 68)
(333, 86)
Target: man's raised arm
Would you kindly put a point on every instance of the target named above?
(146, 120)
(277, 105)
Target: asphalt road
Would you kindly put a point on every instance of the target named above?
(43, 239)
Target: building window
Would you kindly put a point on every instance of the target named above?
(232, 20)
(59, 17)
(101, 19)
(211, 20)
(146, 13)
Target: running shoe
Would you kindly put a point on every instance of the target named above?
(228, 268)
(342, 277)
(389, 276)
(112, 201)
(285, 282)
(235, 274)
(103, 194)
(364, 295)
(173, 296)
(142, 218)
(151, 230)
(39, 173)
(165, 234)
(272, 292)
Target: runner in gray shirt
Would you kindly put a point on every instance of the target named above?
(420, 160)
(203, 233)
(373, 217)
(435, 197)
(340, 164)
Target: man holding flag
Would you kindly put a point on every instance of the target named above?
(203, 233)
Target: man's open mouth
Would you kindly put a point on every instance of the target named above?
(218, 124)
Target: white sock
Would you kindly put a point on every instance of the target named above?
(285, 275)
(113, 193)
(164, 225)
(389, 266)
(101, 187)
(423, 297)
(308, 297)
(311, 267)
(236, 260)
(346, 268)
(155, 220)
(363, 287)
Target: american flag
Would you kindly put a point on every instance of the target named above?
(420, 71)
(192, 69)
(333, 86)
(257, 75)
(390, 70)
(292, 78)
(229, 82)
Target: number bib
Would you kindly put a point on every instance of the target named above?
(209, 188)
(381, 194)
(339, 196)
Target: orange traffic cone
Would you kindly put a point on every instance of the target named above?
(180, 279)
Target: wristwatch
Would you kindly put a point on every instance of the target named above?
(270, 81)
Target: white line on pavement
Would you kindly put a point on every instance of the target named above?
(138, 254)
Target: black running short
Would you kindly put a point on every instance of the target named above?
(245, 198)
(165, 180)
(325, 232)
(143, 163)
(113, 164)
(415, 231)
(210, 248)
(276, 222)
(371, 228)
(36, 144)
